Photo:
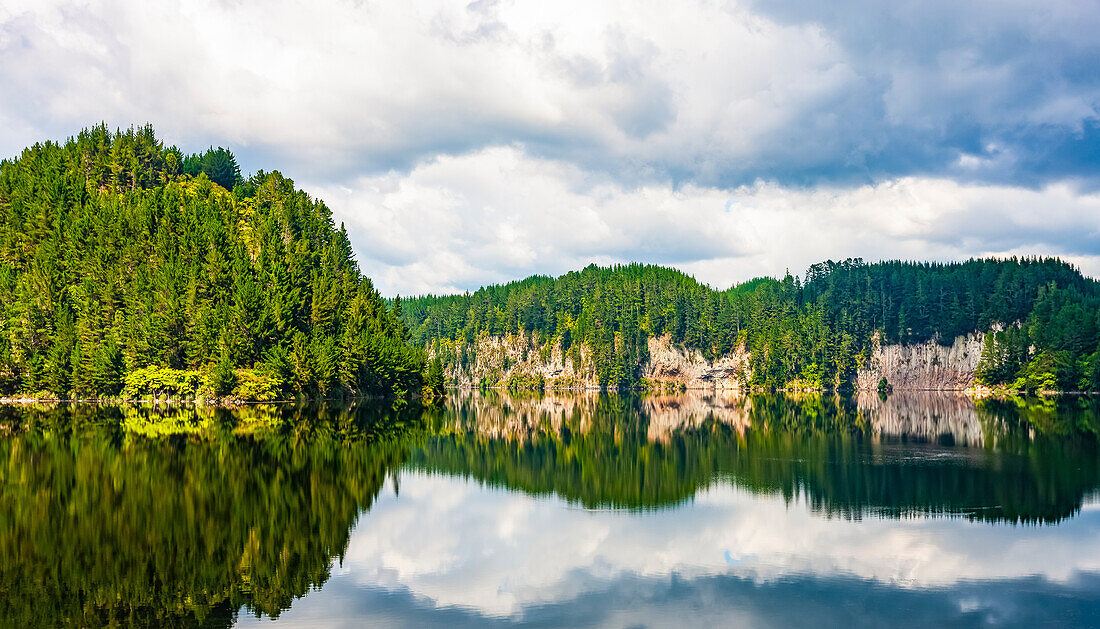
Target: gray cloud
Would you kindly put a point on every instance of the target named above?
(470, 144)
(800, 93)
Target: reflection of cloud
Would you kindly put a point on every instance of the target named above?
(454, 543)
(722, 601)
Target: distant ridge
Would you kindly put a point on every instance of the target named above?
(1042, 317)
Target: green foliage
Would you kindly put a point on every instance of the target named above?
(1050, 371)
(220, 378)
(434, 378)
(159, 381)
(256, 385)
(118, 254)
(219, 165)
(522, 381)
(814, 333)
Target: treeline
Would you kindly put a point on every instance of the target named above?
(130, 268)
(812, 333)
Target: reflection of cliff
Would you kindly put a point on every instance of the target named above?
(846, 456)
(667, 414)
(521, 416)
(99, 526)
(951, 419)
(920, 416)
(518, 416)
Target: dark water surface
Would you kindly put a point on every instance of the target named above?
(555, 510)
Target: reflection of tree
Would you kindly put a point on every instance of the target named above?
(100, 525)
(1035, 465)
(147, 516)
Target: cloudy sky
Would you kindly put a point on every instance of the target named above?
(468, 143)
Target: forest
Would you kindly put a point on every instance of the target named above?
(129, 268)
(1040, 317)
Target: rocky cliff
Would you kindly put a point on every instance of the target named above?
(924, 366)
(498, 360)
(520, 360)
(672, 365)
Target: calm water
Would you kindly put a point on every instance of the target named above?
(555, 510)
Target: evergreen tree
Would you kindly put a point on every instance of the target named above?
(123, 262)
(816, 332)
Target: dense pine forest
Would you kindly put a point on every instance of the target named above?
(1041, 318)
(131, 268)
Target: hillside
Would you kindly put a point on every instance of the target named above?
(1020, 322)
(129, 268)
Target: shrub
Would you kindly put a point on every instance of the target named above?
(220, 378)
(162, 380)
(257, 385)
(526, 381)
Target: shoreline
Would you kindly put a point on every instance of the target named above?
(973, 392)
(980, 392)
(214, 403)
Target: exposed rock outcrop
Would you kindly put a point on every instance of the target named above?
(499, 360)
(924, 366)
(669, 364)
(496, 359)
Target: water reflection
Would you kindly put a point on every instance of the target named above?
(1031, 461)
(571, 509)
(101, 524)
(451, 550)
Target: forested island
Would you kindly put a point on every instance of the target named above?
(129, 268)
(1035, 322)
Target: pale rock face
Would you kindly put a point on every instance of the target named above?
(502, 356)
(668, 365)
(924, 366)
(675, 365)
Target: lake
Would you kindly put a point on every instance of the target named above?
(557, 509)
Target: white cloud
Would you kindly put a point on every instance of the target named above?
(471, 143)
(459, 222)
(337, 87)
